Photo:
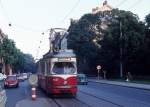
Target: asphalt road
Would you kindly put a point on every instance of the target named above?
(16, 94)
(91, 95)
(122, 96)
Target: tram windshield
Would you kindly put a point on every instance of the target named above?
(64, 68)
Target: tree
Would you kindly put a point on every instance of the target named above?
(13, 57)
(8, 51)
(146, 47)
(96, 40)
(147, 19)
(19, 62)
(131, 42)
(29, 65)
(81, 35)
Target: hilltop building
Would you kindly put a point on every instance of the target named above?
(104, 7)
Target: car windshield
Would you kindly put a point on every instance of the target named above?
(11, 78)
(64, 68)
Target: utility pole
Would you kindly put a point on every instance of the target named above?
(121, 50)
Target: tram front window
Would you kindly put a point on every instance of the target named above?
(64, 68)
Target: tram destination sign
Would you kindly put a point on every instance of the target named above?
(64, 59)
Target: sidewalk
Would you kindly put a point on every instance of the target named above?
(125, 84)
(39, 102)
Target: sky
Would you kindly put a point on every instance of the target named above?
(30, 18)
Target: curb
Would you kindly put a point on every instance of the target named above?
(142, 88)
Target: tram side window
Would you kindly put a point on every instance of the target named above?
(64, 68)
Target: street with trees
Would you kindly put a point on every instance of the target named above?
(14, 60)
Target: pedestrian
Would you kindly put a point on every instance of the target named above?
(129, 77)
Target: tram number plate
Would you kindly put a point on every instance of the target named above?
(66, 86)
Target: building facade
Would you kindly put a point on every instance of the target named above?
(103, 8)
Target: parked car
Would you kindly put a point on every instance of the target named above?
(25, 75)
(11, 81)
(2, 76)
(20, 77)
(3, 97)
(82, 79)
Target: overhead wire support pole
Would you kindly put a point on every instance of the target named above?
(121, 50)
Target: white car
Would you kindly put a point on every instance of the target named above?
(3, 97)
(25, 75)
(2, 76)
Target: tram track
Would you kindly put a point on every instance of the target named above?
(67, 102)
(83, 102)
(105, 100)
(77, 101)
(59, 105)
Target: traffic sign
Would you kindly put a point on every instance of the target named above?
(33, 80)
(98, 67)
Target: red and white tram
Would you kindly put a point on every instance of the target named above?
(57, 72)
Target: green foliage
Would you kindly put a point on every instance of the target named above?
(147, 19)
(29, 65)
(131, 42)
(81, 35)
(19, 61)
(96, 39)
(8, 51)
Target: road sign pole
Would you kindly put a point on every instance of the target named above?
(98, 71)
(98, 74)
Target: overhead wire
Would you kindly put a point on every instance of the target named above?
(64, 18)
(11, 23)
(135, 4)
(19, 26)
(71, 10)
(120, 3)
(78, 1)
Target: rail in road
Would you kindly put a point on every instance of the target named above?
(105, 100)
(87, 96)
(67, 102)
(110, 99)
(83, 99)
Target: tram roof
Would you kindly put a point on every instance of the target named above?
(60, 54)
